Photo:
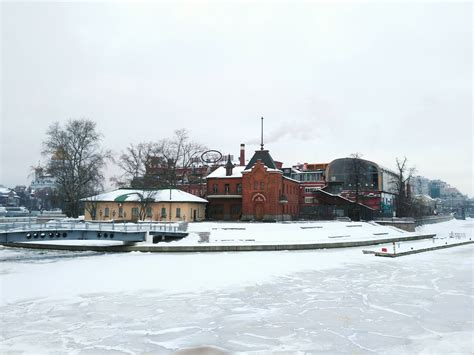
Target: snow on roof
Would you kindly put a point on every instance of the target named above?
(6, 191)
(220, 172)
(266, 168)
(344, 198)
(127, 195)
(291, 179)
(388, 170)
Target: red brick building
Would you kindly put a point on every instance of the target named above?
(259, 191)
(224, 192)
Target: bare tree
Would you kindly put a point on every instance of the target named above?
(403, 198)
(356, 174)
(146, 200)
(162, 164)
(77, 160)
(356, 177)
(177, 156)
(134, 163)
(91, 206)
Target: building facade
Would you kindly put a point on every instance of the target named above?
(134, 205)
(258, 191)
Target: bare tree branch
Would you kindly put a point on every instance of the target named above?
(76, 160)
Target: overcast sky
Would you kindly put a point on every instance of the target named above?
(385, 80)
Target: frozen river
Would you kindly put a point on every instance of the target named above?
(322, 301)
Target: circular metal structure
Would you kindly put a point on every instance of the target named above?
(211, 156)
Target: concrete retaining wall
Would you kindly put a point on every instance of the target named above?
(433, 219)
(216, 248)
(409, 224)
(391, 255)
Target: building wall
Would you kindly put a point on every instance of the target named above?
(225, 209)
(187, 211)
(225, 198)
(262, 192)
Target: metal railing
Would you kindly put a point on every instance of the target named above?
(100, 226)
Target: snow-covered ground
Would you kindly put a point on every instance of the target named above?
(319, 301)
(448, 233)
(237, 233)
(246, 233)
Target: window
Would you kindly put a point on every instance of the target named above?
(308, 200)
(120, 212)
(255, 185)
(149, 212)
(262, 185)
(226, 188)
(163, 212)
(214, 188)
(106, 212)
(135, 212)
(239, 188)
(178, 212)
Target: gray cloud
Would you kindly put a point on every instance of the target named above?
(385, 80)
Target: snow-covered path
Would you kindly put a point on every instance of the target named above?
(321, 301)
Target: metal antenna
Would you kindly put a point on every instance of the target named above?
(261, 144)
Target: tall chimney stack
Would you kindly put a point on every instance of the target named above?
(242, 154)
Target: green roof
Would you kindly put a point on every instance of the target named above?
(123, 198)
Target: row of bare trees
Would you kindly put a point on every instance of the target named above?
(160, 164)
(77, 162)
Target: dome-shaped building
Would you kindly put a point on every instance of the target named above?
(362, 181)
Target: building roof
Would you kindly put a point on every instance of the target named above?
(342, 198)
(131, 195)
(265, 157)
(220, 172)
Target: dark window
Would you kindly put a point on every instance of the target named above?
(178, 212)
(262, 185)
(226, 188)
(149, 212)
(214, 188)
(135, 212)
(120, 212)
(239, 188)
(163, 212)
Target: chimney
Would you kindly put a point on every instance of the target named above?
(242, 155)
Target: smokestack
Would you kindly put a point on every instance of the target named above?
(242, 155)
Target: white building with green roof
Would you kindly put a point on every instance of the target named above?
(145, 205)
